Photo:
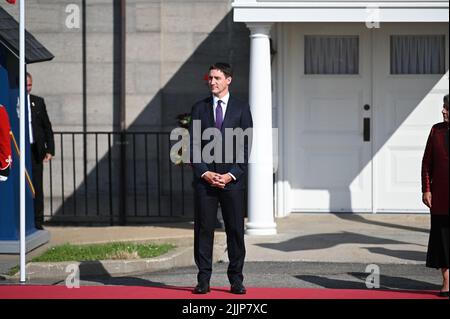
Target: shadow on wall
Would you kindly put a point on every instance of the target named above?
(156, 189)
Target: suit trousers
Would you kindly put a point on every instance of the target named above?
(232, 205)
(37, 170)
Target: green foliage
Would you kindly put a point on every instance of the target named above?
(68, 252)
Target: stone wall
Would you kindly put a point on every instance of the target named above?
(169, 47)
(170, 44)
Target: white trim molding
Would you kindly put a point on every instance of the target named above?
(282, 185)
(340, 11)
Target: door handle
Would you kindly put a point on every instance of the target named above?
(366, 129)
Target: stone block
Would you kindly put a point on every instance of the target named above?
(177, 47)
(100, 47)
(147, 77)
(53, 78)
(143, 47)
(147, 17)
(143, 111)
(66, 47)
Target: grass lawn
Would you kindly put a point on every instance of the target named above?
(68, 252)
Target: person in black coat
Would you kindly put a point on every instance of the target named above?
(42, 148)
(219, 179)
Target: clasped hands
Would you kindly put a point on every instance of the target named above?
(217, 180)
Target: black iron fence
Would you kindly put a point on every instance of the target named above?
(116, 178)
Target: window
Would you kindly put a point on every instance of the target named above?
(331, 55)
(417, 54)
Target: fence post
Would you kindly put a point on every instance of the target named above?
(123, 125)
(123, 179)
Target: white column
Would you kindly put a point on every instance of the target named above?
(260, 182)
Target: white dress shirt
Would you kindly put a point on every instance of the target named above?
(224, 105)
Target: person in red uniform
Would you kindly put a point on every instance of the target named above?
(5, 145)
(435, 188)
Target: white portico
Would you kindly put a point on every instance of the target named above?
(352, 116)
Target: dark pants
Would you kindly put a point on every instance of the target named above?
(232, 204)
(37, 170)
(438, 243)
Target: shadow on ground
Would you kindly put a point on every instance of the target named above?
(361, 219)
(386, 282)
(95, 273)
(401, 254)
(323, 241)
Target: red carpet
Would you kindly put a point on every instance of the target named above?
(171, 292)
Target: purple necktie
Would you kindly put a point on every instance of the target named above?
(219, 115)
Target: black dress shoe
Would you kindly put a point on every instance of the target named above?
(238, 289)
(443, 294)
(201, 289)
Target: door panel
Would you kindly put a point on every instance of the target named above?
(330, 168)
(405, 108)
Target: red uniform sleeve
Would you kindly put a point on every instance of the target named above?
(427, 164)
(5, 140)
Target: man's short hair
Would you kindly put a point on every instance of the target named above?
(446, 100)
(224, 67)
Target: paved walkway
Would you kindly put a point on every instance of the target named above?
(328, 238)
(386, 239)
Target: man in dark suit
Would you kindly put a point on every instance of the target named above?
(42, 148)
(222, 178)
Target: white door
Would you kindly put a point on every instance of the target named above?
(329, 164)
(405, 108)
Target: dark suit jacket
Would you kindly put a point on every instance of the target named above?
(42, 128)
(237, 115)
(435, 172)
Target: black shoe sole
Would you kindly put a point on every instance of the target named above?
(238, 292)
(201, 292)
